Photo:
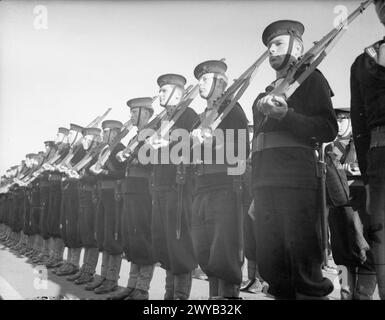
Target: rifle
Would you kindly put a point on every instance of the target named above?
(23, 173)
(32, 173)
(16, 179)
(76, 144)
(238, 88)
(312, 58)
(103, 150)
(186, 100)
(96, 122)
(154, 124)
(134, 142)
(40, 169)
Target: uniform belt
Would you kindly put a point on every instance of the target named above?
(139, 172)
(377, 137)
(108, 184)
(277, 139)
(202, 169)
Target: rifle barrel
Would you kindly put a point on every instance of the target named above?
(99, 119)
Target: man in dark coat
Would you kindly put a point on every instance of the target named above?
(285, 182)
(54, 179)
(137, 212)
(217, 222)
(87, 211)
(69, 211)
(172, 200)
(109, 179)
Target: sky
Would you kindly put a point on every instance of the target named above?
(87, 56)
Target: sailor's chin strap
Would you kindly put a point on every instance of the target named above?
(109, 141)
(169, 97)
(139, 115)
(288, 54)
(346, 133)
(213, 86)
(73, 141)
(46, 155)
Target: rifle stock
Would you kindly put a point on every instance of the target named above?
(106, 151)
(153, 124)
(188, 97)
(238, 88)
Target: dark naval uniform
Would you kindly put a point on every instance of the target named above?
(86, 194)
(35, 207)
(13, 209)
(54, 202)
(254, 282)
(87, 224)
(218, 214)
(44, 185)
(29, 202)
(87, 197)
(285, 187)
(18, 209)
(368, 120)
(176, 255)
(70, 207)
(136, 216)
(171, 211)
(34, 222)
(108, 239)
(27, 216)
(109, 202)
(44, 203)
(136, 225)
(69, 216)
(54, 210)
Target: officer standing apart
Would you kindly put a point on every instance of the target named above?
(216, 208)
(367, 80)
(285, 183)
